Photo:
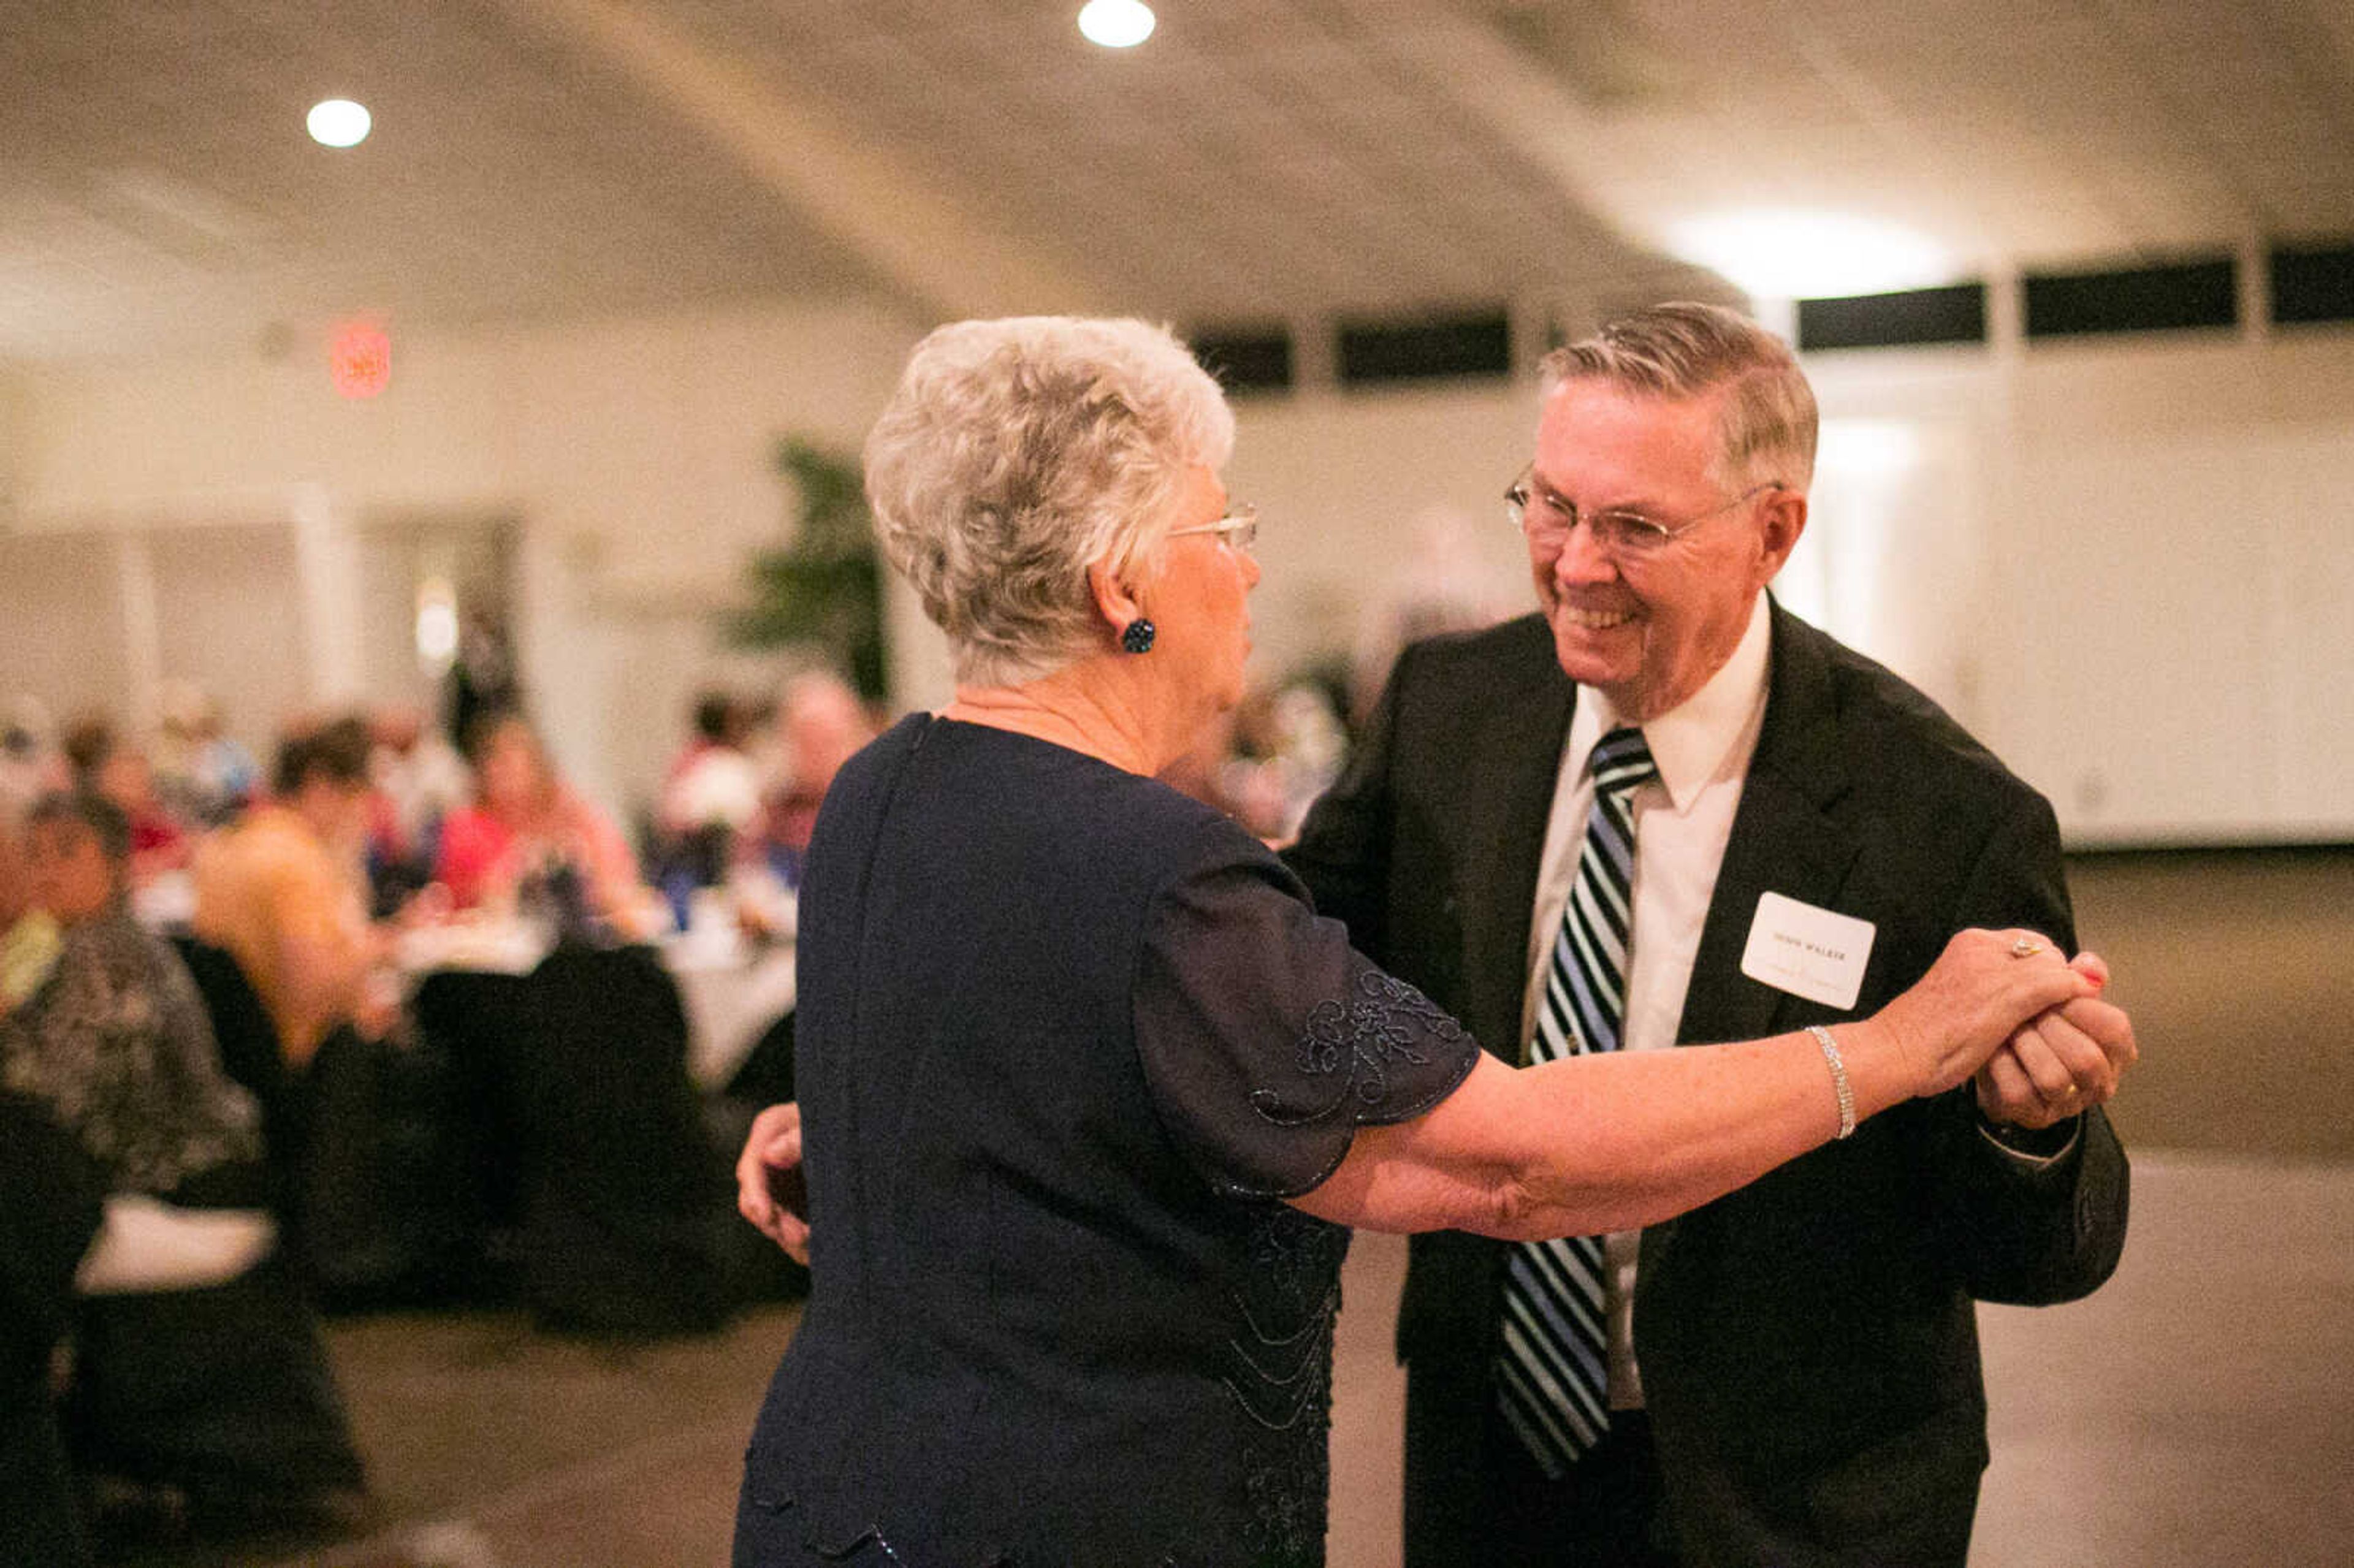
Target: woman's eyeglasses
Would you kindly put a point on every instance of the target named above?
(1237, 529)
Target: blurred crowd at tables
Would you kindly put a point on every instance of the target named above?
(404, 1018)
(399, 1021)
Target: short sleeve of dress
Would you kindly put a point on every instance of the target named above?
(1267, 1040)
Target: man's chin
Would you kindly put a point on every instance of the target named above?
(1600, 658)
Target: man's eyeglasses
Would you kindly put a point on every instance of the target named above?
(1237, 529)
(1547, 517)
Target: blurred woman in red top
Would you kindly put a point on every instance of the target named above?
(527, 822)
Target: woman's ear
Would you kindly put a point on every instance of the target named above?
(1115, 601)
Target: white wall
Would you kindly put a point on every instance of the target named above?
(2151, 623)
(15, 416)
(636, 456)
(2123, 564)
(1355, 493)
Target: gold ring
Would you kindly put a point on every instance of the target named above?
(2026, 948)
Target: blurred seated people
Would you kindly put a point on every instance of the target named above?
(1290, 744)
(28, 933)
(196, 1366)
(30, 764)
(822, 724)
(116, 1039)
(104, 764)
(710, 794)
(1263, 762)
(529, 835)
(203, 776)
(481, 682)
(280, 893)
(418, 779)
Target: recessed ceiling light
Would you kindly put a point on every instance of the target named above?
(338, 123)
(1810, 255)
(1116, 24)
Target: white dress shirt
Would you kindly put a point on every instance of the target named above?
(1681, 822)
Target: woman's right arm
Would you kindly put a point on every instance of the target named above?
(1601, 1143)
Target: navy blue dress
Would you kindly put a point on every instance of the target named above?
(1067, 1040)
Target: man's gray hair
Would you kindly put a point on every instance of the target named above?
(1687, 350)
(1017, 452)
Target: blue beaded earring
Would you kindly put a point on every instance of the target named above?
(1137, 636)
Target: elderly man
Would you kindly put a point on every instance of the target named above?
(1664, 810)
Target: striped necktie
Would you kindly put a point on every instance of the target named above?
(1553, 1373)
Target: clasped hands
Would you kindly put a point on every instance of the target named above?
(2060, 1063)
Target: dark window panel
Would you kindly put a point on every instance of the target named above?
(2313, 283)
(2183, 296)
(1427, 349)
(1245, 361)
(1954, 314)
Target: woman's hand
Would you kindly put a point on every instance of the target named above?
(767, 1180)
(2061, 1063)
(1983, 987)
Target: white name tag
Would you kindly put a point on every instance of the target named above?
(1809, 952)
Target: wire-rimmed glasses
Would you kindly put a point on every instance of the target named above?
(1548, 518)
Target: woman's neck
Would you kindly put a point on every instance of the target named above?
(1074, 707)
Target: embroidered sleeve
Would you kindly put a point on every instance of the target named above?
(1266, 1041)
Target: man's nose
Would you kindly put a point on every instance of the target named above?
(1580, 560)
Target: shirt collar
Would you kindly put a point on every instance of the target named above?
(1691, 742)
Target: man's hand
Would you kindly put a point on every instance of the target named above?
(2060, 1063)
(767, 1178)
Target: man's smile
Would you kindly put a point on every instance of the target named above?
(1596, 620)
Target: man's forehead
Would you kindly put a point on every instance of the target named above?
(1589, 398)
(1670, 437)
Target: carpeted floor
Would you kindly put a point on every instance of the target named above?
(2238, 966)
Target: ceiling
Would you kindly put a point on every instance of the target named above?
(1257, 161)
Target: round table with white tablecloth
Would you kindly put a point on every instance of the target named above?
(733, 990)
(732, 996)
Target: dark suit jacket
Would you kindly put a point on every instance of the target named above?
(1809, 1348)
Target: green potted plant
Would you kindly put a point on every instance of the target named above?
(824, 588)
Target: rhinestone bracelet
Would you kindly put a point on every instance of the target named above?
(1839, 1077)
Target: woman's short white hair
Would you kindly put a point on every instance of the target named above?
(1016, 453)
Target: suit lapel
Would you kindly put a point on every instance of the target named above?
(1784, 839)
(1507, 800)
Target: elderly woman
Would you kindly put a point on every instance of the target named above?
(1089, 1089)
